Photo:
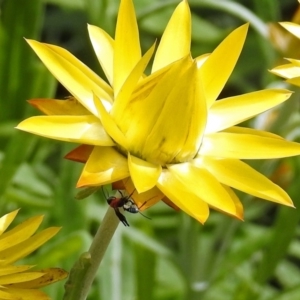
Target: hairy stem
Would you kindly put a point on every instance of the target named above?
(85, 269)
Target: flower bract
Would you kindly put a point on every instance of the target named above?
(20, 282)
(162, 134)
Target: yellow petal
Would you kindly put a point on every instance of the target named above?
(178, 138)
(182, 196)
(127, 44)
(219, 65)
(19, 277)
(143, 174)
(6, 270)
(78, 79)
(142, 91)
(294, 81)
(292, 28)
(241, 176)
(122, 100)
(105, 165)
(205, 186)
(200, 60)
(68, 106)
(287, 71)
(109, 124)
(49, 276)
(27, 294)
(251, 131)
(144, 112)
(21, 250)
(20, 233)
(75, 129)
(231, 111)
(246, 146)
(238, 204)
(6, 220)
(103, 46)
(6, 295)
(176, 39)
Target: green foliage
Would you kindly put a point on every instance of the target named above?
(170, 256)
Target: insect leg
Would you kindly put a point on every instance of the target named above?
(121, 217)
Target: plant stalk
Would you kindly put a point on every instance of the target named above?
(85, 269)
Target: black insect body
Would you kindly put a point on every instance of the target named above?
(131, 207)
(126, 203)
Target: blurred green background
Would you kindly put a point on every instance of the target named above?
(171, 256)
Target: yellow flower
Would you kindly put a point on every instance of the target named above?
(163, 134)
(19, 282)
(290, 71)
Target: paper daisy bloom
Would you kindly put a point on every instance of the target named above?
(19, 282)
(291, 70)
(162, 134)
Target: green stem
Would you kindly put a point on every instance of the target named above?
(85, 269)
(228, 6)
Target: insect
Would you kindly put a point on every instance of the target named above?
(128, 205)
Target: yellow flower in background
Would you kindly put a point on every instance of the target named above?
(20, 282)
(290, 71)
(163, 135)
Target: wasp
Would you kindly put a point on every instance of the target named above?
(128, 205)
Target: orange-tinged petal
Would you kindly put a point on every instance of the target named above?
(119, 184)
(20, 233)
(247, 146)
(205, 186)
(241, 176)
(176, 39)
(231, 111)
(103, 45)
(80, 153)
(6, 220)
(78, 79)
(221, 62)
(127, 44)
(76, 129)
(105, 165)
(69, 106)
(109, 124)
(170, 203)
(182, 196)
(49, 276)
(143, 174)
(142, 200)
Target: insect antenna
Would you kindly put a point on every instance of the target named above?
(145, 216)
(142, 213)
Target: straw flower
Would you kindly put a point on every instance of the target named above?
(291, 70)
(162, 134)
(18, 282)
